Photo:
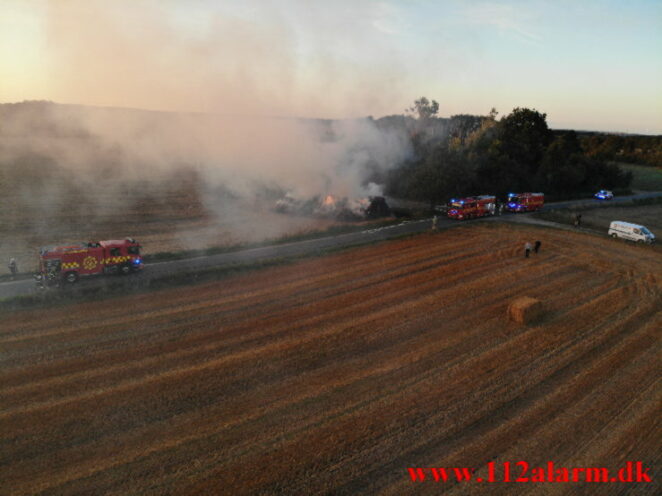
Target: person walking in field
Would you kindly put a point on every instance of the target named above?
(13, 267)
(527, 249)
(536, 247)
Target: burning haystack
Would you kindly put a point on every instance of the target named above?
(333, 207)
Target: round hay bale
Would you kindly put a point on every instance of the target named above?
(525, 310)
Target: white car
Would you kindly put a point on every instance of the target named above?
(603, 194)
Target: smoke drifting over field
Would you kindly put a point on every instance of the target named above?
(74, 172)
(241, 154)
(240, 65)
(68, 170)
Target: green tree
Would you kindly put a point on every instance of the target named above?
(563, 167)
(444, 173)
(424, 109)
(463, 125)
(525, 137)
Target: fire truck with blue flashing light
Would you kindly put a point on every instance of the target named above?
(525, 202)
(58, 264)
(471, 207)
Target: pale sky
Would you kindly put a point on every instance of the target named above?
(587, 64)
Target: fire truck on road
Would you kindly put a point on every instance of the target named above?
(471, 207)
(525, 202)
(69, 263)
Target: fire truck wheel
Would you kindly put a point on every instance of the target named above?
(125, 269)
(71, 277)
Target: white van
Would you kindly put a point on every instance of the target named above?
(633, 232)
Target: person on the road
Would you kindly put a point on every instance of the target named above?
(501, 207)
(434, 223)
(527, 249)
(13, 267)
(536, 246)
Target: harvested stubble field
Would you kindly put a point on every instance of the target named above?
(335, 374)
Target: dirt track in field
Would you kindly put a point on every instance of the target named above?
(333, 375)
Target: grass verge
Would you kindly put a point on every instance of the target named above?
(331, 231)
(645, 178)
(566, 215)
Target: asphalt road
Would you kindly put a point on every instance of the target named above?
(307, 247)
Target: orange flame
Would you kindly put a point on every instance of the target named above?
(329, 201)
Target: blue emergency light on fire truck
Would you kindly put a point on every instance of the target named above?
(471, 207)
(525, 202)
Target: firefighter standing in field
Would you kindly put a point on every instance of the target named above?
(13, 267)
(527, 249)
(536, 246)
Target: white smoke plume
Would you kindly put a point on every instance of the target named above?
(67, 169)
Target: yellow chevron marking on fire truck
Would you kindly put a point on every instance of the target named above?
(115, 260)
(89, 263)
(70, 265)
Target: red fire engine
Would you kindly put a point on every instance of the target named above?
(69, 263)
(473, 206)
(525, 202)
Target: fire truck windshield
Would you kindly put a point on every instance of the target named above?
(134, 250)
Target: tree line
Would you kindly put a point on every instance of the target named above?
(632, 149)
(468, 155)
